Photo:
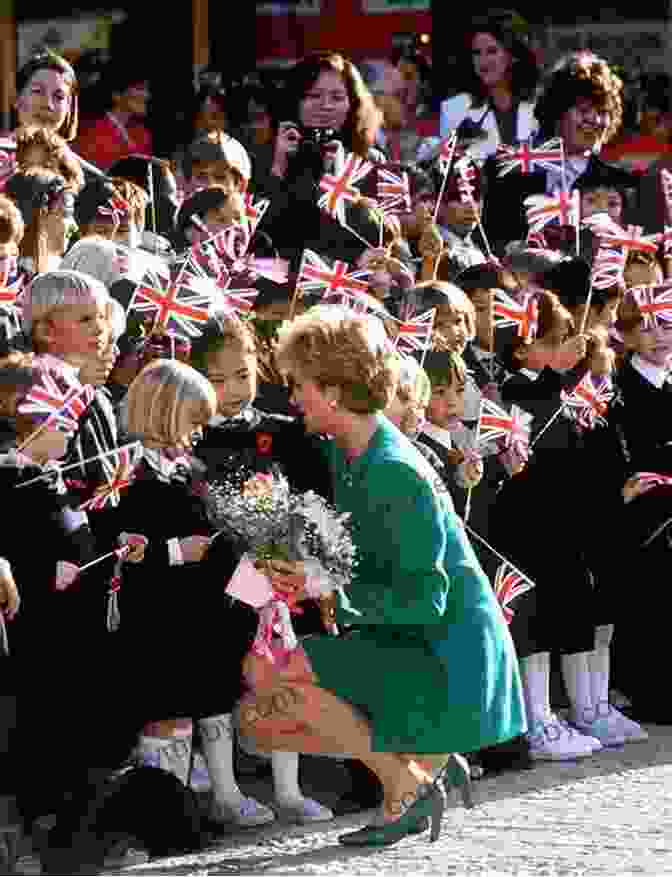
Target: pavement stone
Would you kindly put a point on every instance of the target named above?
(607, 815)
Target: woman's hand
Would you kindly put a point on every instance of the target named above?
(472, 473)
(287, 142)
(633, 488)
(287, 577)
(10, 600)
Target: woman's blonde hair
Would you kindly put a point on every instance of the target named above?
(160, 397)
(335, 347)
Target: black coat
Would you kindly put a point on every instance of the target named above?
(182, 638)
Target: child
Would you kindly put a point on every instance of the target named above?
(240, 441)
(642, 269)
(11, 235)
(444, 429)
(55, 620)
(100, 209)
(558, 617)
(46, 202)
(644, 422)
(166, 404)
(68, 315)
(207, 212)
(458, 217)
(454, 327)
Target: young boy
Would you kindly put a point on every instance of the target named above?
(68, 315)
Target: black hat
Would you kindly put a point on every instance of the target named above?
(569, 280)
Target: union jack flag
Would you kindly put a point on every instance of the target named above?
(527, 158)
(118, 468)
(239, 301)
(524, 315)
(181, 302)
(665, 240)
(611, 234)
(649, 480)
(224, 257)
(254, 211)
(608, 267)
(59, 399)
(511, 430)
(416, 334)
(655, 304)
(447, 149)
(542, 209)
(536, 240)
(465, 173)
(393, 190)
(362, 303)
(509, 584)
(666, 185)
(315, 275)
(339, 187)
(9, 292)
(588, 402)
(7, 166)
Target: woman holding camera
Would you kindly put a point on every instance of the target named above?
(324, 106)
(501, 76)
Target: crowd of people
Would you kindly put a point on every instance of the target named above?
(466, 350)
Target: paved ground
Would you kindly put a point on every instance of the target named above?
(608, 815)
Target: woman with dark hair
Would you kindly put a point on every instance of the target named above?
(501, 74)
(580, 100)
(120, 131)
(47, 97)
(325, 104)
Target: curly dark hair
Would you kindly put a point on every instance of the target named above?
(360, 128)
(580, 75)
(512, 32)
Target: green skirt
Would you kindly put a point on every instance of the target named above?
(392, 677)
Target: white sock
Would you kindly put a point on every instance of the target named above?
(169, 753)
(535, 675)
(577, 682)
(216, 735)
(286, 777)
(598, 663)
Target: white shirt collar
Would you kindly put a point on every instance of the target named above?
(163, 465)
(439, 434)
(654, 374)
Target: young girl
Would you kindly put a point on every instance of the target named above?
(541, 508)
(239, 442)
(199, 636)
(57, 624)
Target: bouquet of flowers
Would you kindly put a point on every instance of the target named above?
(278, 524)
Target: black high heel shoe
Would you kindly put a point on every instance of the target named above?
(456, 775)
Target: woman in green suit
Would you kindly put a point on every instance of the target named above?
(426, 665)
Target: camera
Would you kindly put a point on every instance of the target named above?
(317, 136)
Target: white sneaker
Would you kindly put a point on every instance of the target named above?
(304, 811)
(554, 741)
(606, 729)
(248, 814)
(632, 731)
(200, 777)
(593, 742)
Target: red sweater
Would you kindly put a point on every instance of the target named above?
(103, 142)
